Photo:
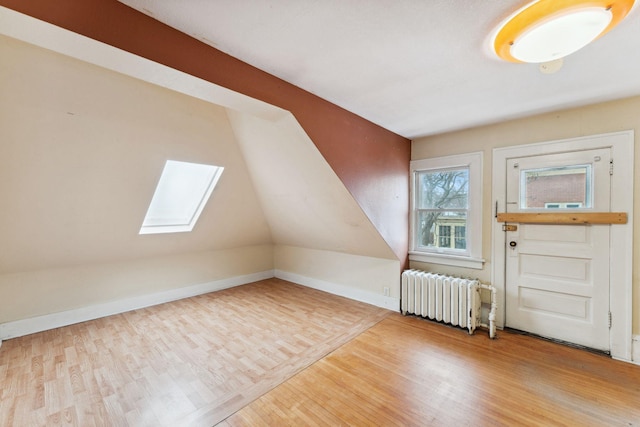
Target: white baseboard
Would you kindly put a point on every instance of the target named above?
(389, 303)
(45, 322)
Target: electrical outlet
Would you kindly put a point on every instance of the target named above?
(386, 291)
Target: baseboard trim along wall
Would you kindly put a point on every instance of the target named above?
(389, 303)
(45, 322)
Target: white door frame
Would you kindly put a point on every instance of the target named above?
(620, 277)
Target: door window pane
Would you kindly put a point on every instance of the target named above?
(567, 187)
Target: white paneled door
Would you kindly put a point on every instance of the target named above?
(557, 276)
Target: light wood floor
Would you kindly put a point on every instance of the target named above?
(190, 362)
(274, 353)
(406, 371)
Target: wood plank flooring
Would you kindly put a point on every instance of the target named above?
(273, 353)
(189, 362)
(406, 371)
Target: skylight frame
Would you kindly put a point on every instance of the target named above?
(181, 194)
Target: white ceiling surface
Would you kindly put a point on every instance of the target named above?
(415, 67)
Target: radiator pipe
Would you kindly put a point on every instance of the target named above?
(492, 312)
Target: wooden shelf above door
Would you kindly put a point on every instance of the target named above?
(564, 218)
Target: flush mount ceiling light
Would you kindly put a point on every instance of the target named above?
(546, 30)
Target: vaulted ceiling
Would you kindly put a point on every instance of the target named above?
(414, 67)
(84, 144)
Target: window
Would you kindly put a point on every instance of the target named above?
(566, 187)
(446, 210)
(182, 192)
(441, 202)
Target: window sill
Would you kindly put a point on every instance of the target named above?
(456, 261)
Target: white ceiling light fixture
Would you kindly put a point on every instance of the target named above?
(547, 30)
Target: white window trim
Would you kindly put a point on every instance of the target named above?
(474, 260)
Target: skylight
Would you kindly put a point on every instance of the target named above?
(182, 192)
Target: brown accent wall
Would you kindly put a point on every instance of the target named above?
(372, 162)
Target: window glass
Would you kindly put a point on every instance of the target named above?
(566, 187)
(443, 189)
(442, 207)
(461, 237)
(180, 196)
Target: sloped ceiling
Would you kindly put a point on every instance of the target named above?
(414, 67)
(305, 203)
(83, 148)
(371, 161)
(82, 151)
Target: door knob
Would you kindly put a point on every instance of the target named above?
(513, 243)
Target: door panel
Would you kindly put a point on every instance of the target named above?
(560, 233)
(540, 267)
(550, 302)
(557, 276)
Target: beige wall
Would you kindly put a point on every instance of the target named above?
(81, 150)
(321, 234)
(357, 274)
(304, 201)
(35, 293)
(596, 119)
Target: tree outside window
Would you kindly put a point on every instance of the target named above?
(442, 208)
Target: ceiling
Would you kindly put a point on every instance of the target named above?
(415, 67)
